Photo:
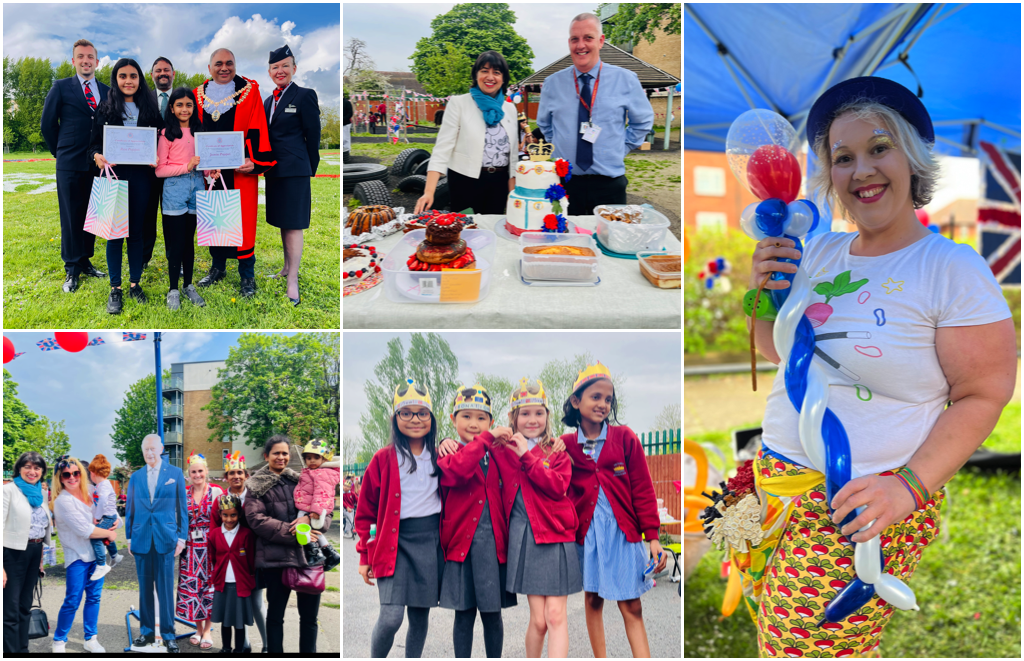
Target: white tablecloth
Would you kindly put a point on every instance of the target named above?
(624, 299)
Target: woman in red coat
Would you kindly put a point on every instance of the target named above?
(232, 551)
(400, 498)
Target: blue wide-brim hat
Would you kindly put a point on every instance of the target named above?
(882, 90)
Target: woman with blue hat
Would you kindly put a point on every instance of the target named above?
(908, 321)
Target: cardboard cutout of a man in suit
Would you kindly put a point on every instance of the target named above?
(156, 522)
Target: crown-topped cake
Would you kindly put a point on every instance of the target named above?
(539, 202)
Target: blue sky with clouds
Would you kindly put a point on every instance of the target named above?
(85, 389)
(650, 362)
(392, 30)
(187, 34)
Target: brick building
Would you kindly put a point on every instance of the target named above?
(712, 196)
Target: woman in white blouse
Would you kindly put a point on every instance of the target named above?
(72, 508)
(477, 143)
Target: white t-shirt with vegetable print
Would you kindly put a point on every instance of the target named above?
(874, 320)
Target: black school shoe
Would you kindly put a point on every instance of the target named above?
(137, 293)
(93, 272)
(215, 275)
(248, 287)
(114, 301)
(70, 285)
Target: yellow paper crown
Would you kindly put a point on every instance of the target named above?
(316, 446)
(540, 151)
(234, 462)
(194, 458)
(592, 372)
(410, 393)
(472, 398)
(522, 117)
(529, 392)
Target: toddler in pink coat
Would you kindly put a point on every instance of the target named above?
(314, 496)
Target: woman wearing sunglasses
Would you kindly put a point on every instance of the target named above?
(72, 508)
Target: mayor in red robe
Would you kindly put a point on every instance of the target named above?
(229, 102)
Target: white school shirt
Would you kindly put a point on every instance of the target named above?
(420, 495)
(229, 537)
(878, 333)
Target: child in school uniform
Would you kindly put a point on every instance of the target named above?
(400, 496)
(104, 514)
(232, 555)
(612, 528)
(474, 533)
(542, 560)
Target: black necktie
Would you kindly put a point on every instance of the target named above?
(584, 149)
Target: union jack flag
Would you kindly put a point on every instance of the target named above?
(96, 341)
(999, 213)
(132, 337)
(49, 344)
(18, 354)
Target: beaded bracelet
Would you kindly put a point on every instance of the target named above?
(914, 485)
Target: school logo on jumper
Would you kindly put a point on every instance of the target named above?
(619, 469)
(241, 551)
(546, 463)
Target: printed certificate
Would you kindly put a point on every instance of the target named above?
(129, 145)
(220, 150)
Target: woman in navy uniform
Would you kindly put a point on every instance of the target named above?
(293, 121)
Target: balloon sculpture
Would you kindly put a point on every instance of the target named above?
(757, 147)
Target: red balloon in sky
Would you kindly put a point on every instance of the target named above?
(72, 342)
(8, 350)
(774, 173)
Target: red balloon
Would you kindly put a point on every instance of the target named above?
(8, 350)
(774, 173)
(72, 342)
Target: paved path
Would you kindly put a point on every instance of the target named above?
(661, 617)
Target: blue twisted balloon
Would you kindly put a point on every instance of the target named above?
(822, 435)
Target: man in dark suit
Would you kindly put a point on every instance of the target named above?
(293, 122)
(163, 81)
(66, 124)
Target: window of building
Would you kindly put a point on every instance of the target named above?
(709, 181)
(711, 220)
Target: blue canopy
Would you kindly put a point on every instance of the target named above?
(965, 58)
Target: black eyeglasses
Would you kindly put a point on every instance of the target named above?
(67, 475)
(408, 415)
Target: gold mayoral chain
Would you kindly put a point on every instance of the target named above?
(216, 113)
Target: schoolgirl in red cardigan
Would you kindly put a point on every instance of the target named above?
(612, 492)
(400, 497)
(232, 555)
(542, 562)
(474, 532)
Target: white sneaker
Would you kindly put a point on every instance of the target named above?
(58, 647)
(100, 573)
(93, 645)
(116, 560)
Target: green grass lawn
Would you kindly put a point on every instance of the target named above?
(967, 584)
(33, 271)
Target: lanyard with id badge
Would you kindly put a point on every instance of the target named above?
(589, 129)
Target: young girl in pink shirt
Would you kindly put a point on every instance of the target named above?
(176, 162)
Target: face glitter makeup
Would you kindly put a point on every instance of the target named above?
(836, 145)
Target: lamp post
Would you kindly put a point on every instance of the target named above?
(159, 388)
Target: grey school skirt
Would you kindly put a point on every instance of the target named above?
(550, 570)
(479, 581)
(230, 610)
(419, 565)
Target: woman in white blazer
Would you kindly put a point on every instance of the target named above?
(477, 143)
(26, 528)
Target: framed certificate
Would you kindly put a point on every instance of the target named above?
(220, 150)
(129, 145)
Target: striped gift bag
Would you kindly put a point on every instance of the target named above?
(219, 216)
(107, 214)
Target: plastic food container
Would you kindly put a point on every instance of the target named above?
(463, 286)
(558, 267)
(662, 269)
(631, 238)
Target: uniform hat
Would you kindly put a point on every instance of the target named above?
(882, 90)
(473, 398)
(280, 54)
(593, 372)
(316, 446)
(529, 392)
(410, 393)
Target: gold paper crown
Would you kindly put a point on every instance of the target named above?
(234, 461)
(472, 398)
(195, 457)
(316, 446)
(540, 151)
(529, 392)
(410, 393)
(592, 372)
(229, 501)
(522, 117)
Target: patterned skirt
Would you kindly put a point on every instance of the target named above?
(195, 590)
(807, 561)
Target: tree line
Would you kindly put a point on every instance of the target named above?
(26, 430)
(28, 80)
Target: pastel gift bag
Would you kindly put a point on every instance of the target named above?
(219, 216)
(107, 214)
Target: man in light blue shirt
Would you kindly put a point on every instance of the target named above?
(584, 111)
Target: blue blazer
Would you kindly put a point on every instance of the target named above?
(158, 525)
(294, 136)
(66, 123)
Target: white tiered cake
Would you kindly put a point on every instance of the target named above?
(527, 204)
